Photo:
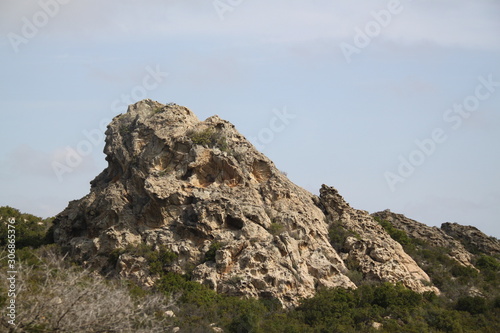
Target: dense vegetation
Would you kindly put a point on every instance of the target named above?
(453, 279)
(56, 295)
(30, 230)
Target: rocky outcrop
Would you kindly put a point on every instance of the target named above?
(373, 251)
(432, 235)
(472, 238)
(190, 186)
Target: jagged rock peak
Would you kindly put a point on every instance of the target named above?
(473, 239)
(463, 242)
(194, 186)
(185, 184)
(369, 248)
(432, 235)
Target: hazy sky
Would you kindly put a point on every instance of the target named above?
(394, 103)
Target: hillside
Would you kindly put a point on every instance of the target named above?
(191, 229)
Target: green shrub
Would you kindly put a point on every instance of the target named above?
(28, 257)
(329, 308)
(352, 264)
(212, 250)
(285, 322)
(488, 263)
(125, 129)
(387, 295)
(338, 235)
(157, 259)
(189, 291)
(496, 302)
(30, 230)
(462, 271)
(114, 255)
(209, 138)
(346, 310)
(241, 315)
(354, 274)
(472, 304)
(398, 235)
(443, 320)
(276, 228)
(235, 280)
(158, 110)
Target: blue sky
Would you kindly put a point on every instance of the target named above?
(372, 90)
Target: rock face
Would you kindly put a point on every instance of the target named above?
(376, 254)
(464, 242)
(183, 184)
(432, 235)
(473, 238)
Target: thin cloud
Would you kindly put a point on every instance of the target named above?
(26, 161)
(445, 23)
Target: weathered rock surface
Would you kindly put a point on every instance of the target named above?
(375, 253)
(184, 184)
(432, 235)
(472, 238)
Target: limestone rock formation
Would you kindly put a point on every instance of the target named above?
(432, 235)
(183, 184)
(376, 254)
(472, 238)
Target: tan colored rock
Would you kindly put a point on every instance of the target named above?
(175, 181)
(473, 238)
(378, 256)
(432, 235)
(135, 269)
(183, 184)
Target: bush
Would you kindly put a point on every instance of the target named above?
(462, 271)
(176, 285)
(159, 110)
(488, 263)
(157, 259)
(443, 320)
(30, 230)
(212, 250)
(338, 235)
(496, 302)
(398, 235)
(329, 308)
(241, 315)
(387, 295)
(125, 129)
(209, 138)
(276, 228)
(472, 304)
(341, 310)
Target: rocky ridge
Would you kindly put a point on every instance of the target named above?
(370, 248)
(463, 242)
(432, 235)
(183, 184)
(472, 238)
